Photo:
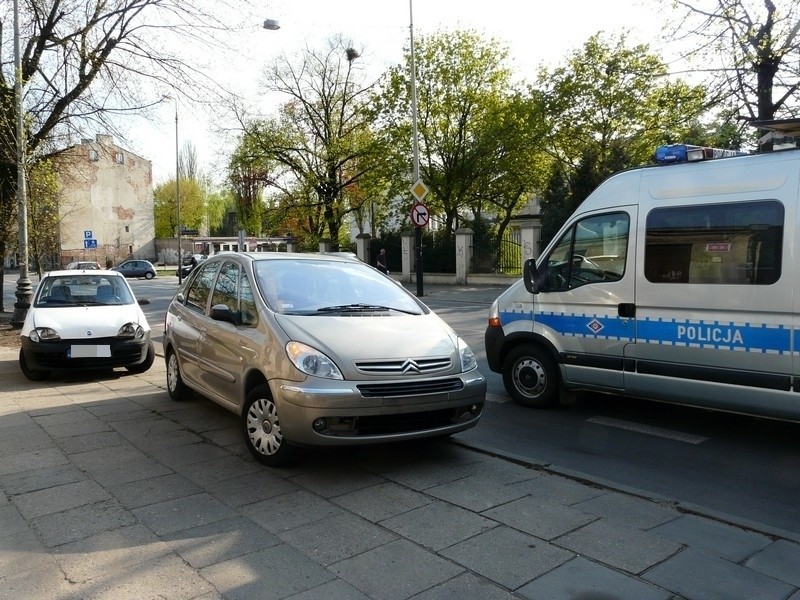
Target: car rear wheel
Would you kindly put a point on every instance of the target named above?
(148, 275)
(146, 363)
(33, 375)
(530, 377)
(262, 430)
(176, 388)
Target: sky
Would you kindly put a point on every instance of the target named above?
(536, 33)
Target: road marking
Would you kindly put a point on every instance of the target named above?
(497, 398)
(678, 436)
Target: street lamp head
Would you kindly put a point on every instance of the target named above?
(271, 24)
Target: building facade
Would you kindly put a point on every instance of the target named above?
(105, 203)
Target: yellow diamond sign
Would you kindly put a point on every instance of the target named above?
(419, 190)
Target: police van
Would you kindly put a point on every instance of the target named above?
(675, 282)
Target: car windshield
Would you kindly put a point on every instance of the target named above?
(324, 287)
(83, 290)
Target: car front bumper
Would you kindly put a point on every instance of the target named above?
(338, 413)
(101, 353)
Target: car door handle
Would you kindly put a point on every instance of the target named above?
(626, 310)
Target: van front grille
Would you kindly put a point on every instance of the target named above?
(410, 388)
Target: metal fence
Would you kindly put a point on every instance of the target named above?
(502, 256)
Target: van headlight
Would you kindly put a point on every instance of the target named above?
(311, 361)
(468, 361)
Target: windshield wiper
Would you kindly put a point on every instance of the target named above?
(360, 308)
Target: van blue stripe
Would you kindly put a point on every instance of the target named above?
(723, 335)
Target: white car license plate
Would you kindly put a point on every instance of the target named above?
(84, 351)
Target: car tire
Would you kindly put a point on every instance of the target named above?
(531, 377)
(148, 275)
(32, 374)
(262, 430)
(146, 363)
(176, 388)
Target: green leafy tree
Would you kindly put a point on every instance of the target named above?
(466, 115)
(193, 207)
(607, 108)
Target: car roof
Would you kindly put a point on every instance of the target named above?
(95, 273)
(263, 256)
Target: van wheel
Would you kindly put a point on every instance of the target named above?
(176, 388)
(262, 430)
(531, 377)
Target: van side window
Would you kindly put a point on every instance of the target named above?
(734, 243)
(593, 250)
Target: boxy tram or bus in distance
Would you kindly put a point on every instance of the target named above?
(674, 282)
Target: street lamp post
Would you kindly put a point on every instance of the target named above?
(415, 148)
(178, 195)
(24, 290)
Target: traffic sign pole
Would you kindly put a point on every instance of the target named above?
(419, 190)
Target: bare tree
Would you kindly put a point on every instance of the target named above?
(757, 46)
(86, 62)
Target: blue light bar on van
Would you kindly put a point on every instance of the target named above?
(673, 153)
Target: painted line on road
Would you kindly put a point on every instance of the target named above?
(678, 436)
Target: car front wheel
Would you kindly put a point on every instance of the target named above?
(531, 377)
(262, 430)
(146, 363)
(31, 374)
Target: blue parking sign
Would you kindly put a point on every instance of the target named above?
(87, 234)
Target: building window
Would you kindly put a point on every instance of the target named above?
(130, 249)
(127, 228)
(120, 158)
(93, 155)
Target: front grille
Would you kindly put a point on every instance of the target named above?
(406, 366)
(410, 388)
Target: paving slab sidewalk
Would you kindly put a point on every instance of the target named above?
(109, 489)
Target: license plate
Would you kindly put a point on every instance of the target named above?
(88, 351)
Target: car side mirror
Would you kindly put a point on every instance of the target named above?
(222, 312)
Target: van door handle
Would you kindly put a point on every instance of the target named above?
(626, 310)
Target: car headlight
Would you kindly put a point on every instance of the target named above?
(468, 361)
(311, 361)
(131, 331)
(44, 334)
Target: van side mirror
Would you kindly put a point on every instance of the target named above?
(531, 276)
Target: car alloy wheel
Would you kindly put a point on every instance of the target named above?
(262, 430)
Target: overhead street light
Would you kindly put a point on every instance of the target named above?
(271, 24)
(24, 290)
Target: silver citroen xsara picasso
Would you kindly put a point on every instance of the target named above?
(317, 350)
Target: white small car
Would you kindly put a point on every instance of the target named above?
(84, 320)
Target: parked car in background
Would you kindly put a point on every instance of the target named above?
(317, 350)
(136, 268)
(190, 263)
(82, 321)
(82, 265)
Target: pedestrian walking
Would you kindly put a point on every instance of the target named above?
(381, 262)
